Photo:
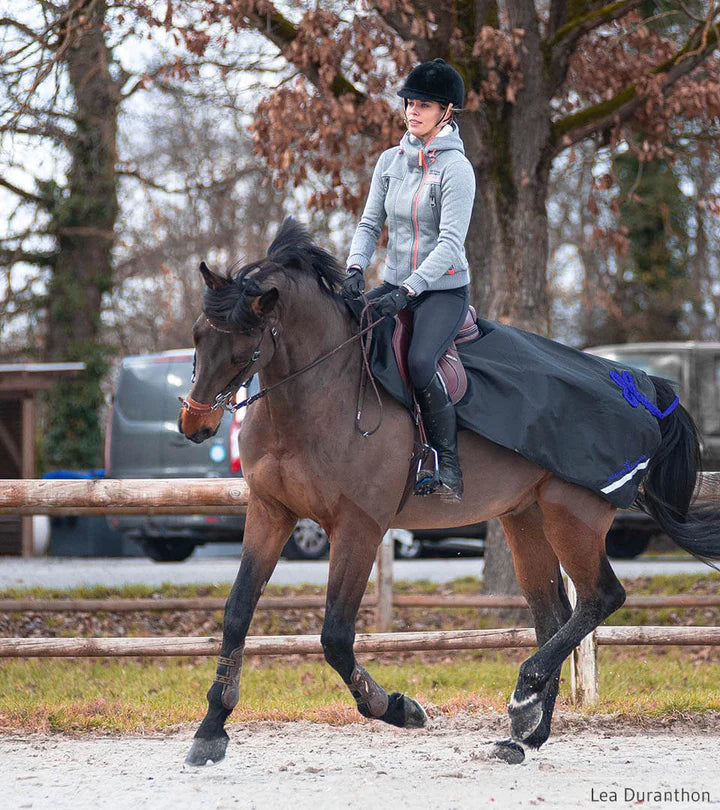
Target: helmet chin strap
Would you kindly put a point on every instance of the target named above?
(445, 118)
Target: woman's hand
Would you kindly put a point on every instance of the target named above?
(354, 284)
(391, 303)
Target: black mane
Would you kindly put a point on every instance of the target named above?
(292, 251)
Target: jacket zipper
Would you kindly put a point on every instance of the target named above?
(421, 161)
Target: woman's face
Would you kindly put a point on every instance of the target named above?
(423, 116)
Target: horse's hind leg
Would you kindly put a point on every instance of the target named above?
(575, 522)
(352, 552)
(538, 574)
(267, 528)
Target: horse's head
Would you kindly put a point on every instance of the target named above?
(234, 337)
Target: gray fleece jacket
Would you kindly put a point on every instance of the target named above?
(426, 193)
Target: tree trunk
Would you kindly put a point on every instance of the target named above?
(508, 251)
(509, 146)
(83, 221)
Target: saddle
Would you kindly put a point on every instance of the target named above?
(449, 366)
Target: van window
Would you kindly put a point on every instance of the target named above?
(147, 391)
(708, 378)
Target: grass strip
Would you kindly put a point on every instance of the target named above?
(140, 696)
(660, 584)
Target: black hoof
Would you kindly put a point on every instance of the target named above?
(207, 751)
(415, 716)
(508, 751)
(404, 712)
(525, 716)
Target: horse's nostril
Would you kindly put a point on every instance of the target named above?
(200, 435)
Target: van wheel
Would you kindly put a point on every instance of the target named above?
(162, 550)
(307, 542)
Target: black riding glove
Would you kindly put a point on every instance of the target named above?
(391, 303)
(354, 284)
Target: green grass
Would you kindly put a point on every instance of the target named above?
(150, 696)
(667, 584)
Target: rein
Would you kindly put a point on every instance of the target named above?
(222, 400)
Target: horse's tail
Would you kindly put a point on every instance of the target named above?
(667, 491)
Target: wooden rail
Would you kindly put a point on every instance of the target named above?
(156, 496)
(126, 496)
(364, 642)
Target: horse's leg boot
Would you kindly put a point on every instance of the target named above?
(438, 415)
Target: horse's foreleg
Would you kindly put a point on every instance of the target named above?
(538, 574)
(352, 553)
(267, 528)
(575, 522)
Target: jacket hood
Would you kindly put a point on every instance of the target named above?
(446, 140)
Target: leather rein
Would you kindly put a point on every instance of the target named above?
(222, 400)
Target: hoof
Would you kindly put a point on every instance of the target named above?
(508, 751)
(415, 716)
(525, 716)
(204, 752)
(404, 712)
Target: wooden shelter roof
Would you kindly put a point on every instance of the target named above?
(29, 377)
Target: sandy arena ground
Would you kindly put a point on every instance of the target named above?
(364, 765)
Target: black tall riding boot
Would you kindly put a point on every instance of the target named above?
(438, 415)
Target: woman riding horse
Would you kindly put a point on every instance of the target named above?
(425, 188)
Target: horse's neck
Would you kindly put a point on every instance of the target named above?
(311, 325)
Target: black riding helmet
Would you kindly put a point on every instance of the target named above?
(434, 81)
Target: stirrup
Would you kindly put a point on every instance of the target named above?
(427, 480)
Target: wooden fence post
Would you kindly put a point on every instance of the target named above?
(584, 688)
(384, 605)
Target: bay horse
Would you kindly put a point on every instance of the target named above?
(303, 457)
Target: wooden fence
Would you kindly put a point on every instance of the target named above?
(229, 496)
(443, 640)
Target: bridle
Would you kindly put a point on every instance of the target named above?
(222, 400)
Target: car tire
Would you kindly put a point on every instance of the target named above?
(626, 544)
(307, 542)
(166, 550)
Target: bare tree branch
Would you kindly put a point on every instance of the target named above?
(281, 32)
(188, 188)
(9, 22)
(26, 195)
(45, 131)
(41, 258)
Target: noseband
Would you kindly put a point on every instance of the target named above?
(223, 398)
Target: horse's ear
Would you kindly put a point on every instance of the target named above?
(265, 302)
(212, 280)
